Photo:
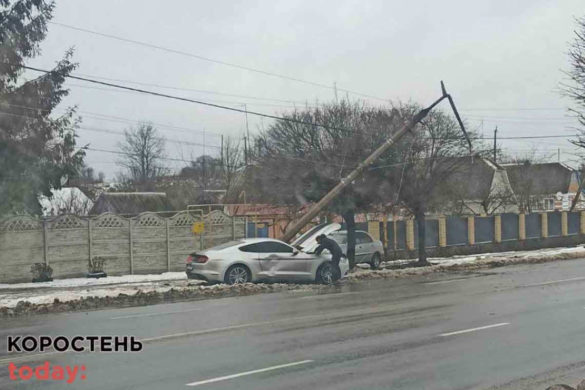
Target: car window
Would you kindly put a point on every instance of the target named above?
(225, 245)
(267, 247)
(362, 238)
(339, 238)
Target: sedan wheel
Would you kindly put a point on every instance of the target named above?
(237, 274)
(325, 274)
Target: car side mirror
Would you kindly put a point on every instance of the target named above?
(295, 252)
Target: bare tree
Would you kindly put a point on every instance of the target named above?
(231, 162)
(143, 151)
(576, 87)
(429, 159)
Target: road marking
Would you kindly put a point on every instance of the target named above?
(474, 329)
(153, 314)
(554, 282)
(448, 281)
(223, 378)
(329, 295)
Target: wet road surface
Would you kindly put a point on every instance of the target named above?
(520, 327)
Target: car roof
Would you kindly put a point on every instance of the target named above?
(345, 232)
(260, 239)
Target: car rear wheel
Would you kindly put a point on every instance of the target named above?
(376, 261)
(237, 274)
(325, 274)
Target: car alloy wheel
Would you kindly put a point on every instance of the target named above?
(326, 274)
(238, 274)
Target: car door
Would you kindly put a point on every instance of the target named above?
(363, 247)
(282, 262)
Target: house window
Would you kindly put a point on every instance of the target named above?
(548, 204)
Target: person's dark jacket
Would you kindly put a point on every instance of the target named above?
(330, 245)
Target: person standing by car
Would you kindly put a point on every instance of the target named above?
(336, 253)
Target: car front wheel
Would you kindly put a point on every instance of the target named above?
(325, 274)
(237, 274)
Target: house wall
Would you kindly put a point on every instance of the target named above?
(147, 243)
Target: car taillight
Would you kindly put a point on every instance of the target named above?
(189, 259)
(201, 259)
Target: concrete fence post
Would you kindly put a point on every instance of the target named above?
(498, 229)
(89, 241)
(131, 249)
(471, 230)
(442, 232)
(582, 222)
(564, 224)
(168, 246)
(521, 226)
(544, 225)
(410, 234)
(45, 242)
(234, 228)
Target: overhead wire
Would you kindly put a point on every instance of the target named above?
(219, 62)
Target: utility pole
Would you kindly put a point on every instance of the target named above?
(495, 146)
(221, 151)
(407, 127)
(335, 90)
(559, 155)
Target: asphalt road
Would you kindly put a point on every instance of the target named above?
(520, 327)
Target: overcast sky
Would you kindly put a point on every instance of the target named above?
(501, 60)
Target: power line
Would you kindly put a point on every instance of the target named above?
(203, 58)
(242, 111)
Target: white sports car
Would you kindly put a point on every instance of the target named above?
(258, 259)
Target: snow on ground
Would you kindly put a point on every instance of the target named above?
(72, 289)
(88, 282)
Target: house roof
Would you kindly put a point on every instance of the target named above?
(543, 179)
(131, 202)
(473, 177)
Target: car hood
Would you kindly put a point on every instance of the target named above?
(309, 244)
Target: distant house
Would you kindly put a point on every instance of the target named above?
(131, 203)
(480, 186)
(66, 200)
(543, 187)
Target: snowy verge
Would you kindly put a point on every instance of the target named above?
(135, 290)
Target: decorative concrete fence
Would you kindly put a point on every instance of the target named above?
(146, 243)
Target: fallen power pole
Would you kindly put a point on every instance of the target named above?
(317, 207)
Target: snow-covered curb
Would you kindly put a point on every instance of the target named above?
(133, 290)
(89, 282)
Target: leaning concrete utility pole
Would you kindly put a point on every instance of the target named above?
(317, 207)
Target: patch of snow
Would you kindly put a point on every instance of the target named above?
(84, 282)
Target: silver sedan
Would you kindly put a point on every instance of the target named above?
(259, 259)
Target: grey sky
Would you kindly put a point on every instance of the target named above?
(502, 61)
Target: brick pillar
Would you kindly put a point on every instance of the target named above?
(442, 232)
(497, 229)
(544, 225)
(582, 222)
(410, 235)
(374, 229)
(564, 223)
(522, 226)
(471, 230)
